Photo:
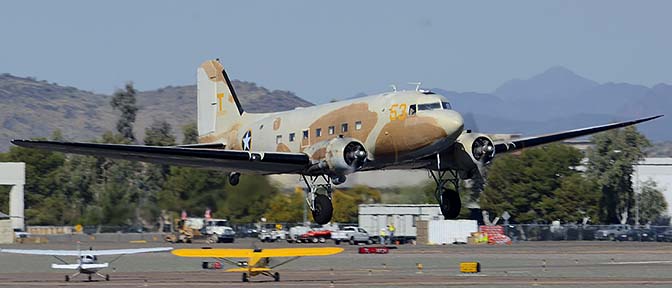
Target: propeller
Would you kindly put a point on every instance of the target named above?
(355, 155)
(483, 150)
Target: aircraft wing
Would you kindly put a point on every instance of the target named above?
(85, 252)
(232, 160)
(527, 142)
(250, 253)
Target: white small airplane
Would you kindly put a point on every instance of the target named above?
(87, 260)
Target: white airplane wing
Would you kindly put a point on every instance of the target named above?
(77, 266)
(192, 156)
(85, 252)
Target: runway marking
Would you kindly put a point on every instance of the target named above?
(638, 262)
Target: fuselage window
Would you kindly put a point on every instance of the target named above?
(278, 139)
(429, 106)
(358, 125)
(291, 137)
(305, 134)
(344, 127)
(318, 132)
(331, 130)
(412, 109)
(446, 105)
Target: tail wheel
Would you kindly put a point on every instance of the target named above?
(450, 203)
(67, 278)
(323, 209)
(276, 276)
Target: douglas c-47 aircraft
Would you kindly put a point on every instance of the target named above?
(87, 260)
(324, 143)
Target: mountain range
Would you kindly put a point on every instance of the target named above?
(556, 99)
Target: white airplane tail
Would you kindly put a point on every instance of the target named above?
(218, 105)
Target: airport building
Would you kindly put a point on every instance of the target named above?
(658, 170)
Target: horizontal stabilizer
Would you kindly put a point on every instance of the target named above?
(78, 266)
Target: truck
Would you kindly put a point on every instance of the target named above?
(218, 231)
(612, 232)
(271, 233)
(351, 234)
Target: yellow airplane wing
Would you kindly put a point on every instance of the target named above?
(250, 253)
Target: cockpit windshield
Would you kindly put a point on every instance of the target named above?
(429, 106)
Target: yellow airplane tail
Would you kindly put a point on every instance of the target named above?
(218, 106)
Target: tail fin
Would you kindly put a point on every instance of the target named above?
(218, 105)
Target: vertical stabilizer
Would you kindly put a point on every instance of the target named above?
(218, 106)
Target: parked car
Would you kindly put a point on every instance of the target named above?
(271, 235)
(612, 232)
(665, 236)
(637, 235)
(218, 231)
(351, 234)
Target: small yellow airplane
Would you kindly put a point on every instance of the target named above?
(258, 260)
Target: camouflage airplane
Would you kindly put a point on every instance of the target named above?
(324, 143)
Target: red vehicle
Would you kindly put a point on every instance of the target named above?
(314, 236)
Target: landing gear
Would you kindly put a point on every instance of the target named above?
(234, 178)
(319, 199)
(276, 276)
(245, 279)
(67, 278)
(447, 196)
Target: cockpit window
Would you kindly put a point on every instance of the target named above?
(412, 109)
(446, 106)
(429, 106)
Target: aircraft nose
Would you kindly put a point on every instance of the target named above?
(452, 122)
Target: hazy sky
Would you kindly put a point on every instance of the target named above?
(324, 50)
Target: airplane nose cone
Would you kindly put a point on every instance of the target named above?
(452, 122)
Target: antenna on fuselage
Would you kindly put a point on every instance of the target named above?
(394, 87)
(417, 85)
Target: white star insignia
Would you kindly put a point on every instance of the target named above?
(246, 140)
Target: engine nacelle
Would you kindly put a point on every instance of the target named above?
(469, 154)
(342, 156)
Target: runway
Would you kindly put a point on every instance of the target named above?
(523, 264)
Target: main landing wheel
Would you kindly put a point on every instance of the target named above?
(276, 276)
(450, 203)
(89, 277)
(245, 279)
(323, 209)
(107, 277)
(67, 278)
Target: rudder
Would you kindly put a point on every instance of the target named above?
(218, 105)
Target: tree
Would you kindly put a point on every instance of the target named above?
(159, 133)
(530, 185)
(652, 204)
(124, 102)
(190, 132)
(611, 162)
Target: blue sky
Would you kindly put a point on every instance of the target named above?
(333, 50)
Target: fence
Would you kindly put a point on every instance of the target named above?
(544, 232)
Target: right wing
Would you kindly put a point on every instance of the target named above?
(82, 266)
(85, 252)
(230, 160)
(249, 253)
(517, 144)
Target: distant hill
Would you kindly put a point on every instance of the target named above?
(31, 108)
(558, 99)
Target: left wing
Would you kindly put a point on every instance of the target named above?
(85, 252)
(249, 253)
(232, 160)
(527, 142)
